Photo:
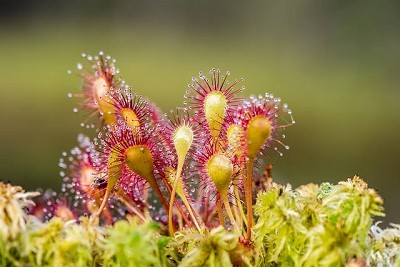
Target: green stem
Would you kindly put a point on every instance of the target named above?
(220, 213)
(159, 194)
(192, 213)
(206, 207)
(184, 199)
(129, 203)
(239, 204)
(225, 201)
(104, 202)
(249, 197)
(177, 204)
(236, 213)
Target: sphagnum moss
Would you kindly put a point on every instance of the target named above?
(186, 190)
(308, 226)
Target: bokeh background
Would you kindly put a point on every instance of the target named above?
(336, 63)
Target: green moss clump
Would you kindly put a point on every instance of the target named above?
(313, 225)
(132, 244)
(217, 247)
(59, 243)
(385, 246)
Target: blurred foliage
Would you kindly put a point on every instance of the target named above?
(335, 63)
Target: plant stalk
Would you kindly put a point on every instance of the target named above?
(184, 199)
(249, 197)
(225, 201)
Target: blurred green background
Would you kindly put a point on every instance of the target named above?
(336, 63)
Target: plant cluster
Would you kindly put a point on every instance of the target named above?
(325, 225)
(190, 168)
(179, 189)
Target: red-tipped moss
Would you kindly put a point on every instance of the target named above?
(210, 148)
(130, 107)
(98, 80)
(130, 156)
(261, 118)
(212, 99)
(81, 183)
(180, 131)
(264, 134)
(217, 172)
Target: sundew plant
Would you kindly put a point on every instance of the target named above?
(189, 188)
